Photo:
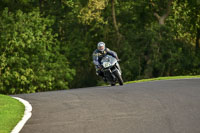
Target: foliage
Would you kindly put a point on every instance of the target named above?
(93, 12)
(30, 58)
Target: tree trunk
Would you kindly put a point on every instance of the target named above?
(40, 6)
(161, 19)
(197, 40)
(115, 23)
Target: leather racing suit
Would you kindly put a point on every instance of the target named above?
(97, 57)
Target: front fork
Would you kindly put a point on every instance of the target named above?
(119, 68)
(110, 76)
(109, 73)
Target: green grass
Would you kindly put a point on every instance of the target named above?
(162, 78)
(11, 112)
(101, 82)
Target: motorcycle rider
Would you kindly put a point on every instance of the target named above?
(98, 54)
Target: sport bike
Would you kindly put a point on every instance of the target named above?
(111, 70)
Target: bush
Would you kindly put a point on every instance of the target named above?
(30, 59)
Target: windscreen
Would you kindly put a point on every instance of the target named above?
(110, 59)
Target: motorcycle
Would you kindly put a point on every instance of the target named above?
(111, 70)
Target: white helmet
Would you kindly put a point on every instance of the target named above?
(101, 46)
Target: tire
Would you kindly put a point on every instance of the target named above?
(113, 84)
(119, 77)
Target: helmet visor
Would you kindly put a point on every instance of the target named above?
(101, 48)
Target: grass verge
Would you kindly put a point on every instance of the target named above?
(11, 112)
(163, 78)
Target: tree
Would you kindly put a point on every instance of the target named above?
(165, 11)
(30, 58)
(119, 36)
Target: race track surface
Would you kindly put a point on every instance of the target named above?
(151, 107)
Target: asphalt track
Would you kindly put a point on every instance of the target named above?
(151, 107)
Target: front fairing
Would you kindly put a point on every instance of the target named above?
(108, 60)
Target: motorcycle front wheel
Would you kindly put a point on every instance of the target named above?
(113, 84)
(119, 77)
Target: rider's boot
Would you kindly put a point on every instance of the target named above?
(104, 79)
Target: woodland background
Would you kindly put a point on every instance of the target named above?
(48, 44)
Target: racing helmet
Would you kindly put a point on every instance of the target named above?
(101, 46)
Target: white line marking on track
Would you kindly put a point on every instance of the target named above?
(27, 115)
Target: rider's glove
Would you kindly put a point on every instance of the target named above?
(117, 58)
(99, 67)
